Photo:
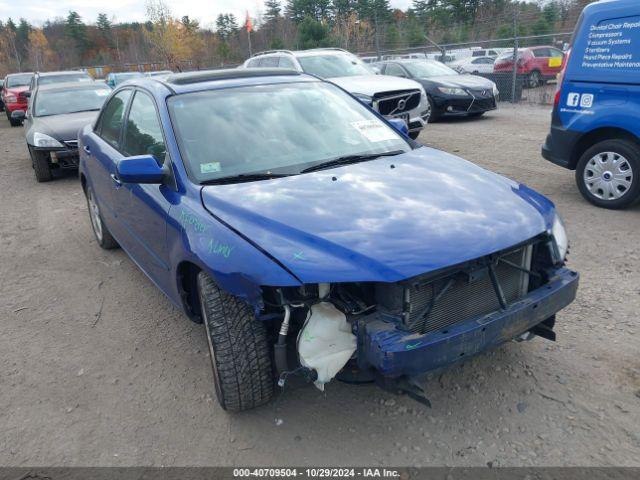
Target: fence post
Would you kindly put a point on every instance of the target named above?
(514, 78)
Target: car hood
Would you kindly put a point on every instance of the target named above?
(464, 81)
(62, 127)
(384, 220)
(372, 84)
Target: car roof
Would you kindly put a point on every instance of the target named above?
(18, 73)
(61, 72)
(179, 83)
(73, 86)
(302, 53)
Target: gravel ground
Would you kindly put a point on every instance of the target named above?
(97, 368)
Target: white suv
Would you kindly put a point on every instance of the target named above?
(392, 97)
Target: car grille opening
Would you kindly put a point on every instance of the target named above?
(397, 102)
(428, 306)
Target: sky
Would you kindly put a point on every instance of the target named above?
(37, 11)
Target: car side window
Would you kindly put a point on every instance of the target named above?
(395, 70)
(555, 53)
(286, 62)
(111, 119)
(254, 63)
(269, 62)
(541, 53)
(143, 133)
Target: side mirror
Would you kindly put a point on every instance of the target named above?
(140, 169)
(400, 125)
(18, 115)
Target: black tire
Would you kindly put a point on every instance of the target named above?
(41, 166)
(100, 231)
(627, 149)
(535, 79)
(413, 135)
(238, 346)
(434, 116)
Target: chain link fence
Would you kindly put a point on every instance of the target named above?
(530, 79)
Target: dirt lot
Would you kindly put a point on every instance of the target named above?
(97, 368)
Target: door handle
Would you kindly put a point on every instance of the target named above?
(116, 180)
(87, 149)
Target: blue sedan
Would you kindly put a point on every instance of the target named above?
(311, 236)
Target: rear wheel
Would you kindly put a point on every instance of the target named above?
(100, 230)
(608, 174)
(238, 346)
(535, 79)
(41, 166)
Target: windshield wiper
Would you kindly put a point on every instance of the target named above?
(348, 159)
(244, 177)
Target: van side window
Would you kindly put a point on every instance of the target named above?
(111, 120)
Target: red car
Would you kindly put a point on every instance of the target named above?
(13, 94)
(537, 64)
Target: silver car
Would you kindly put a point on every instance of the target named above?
(392, 97)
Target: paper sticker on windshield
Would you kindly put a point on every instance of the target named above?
(210, 167)
(374, 131)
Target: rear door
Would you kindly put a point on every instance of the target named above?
(102, 148)
(142, 209)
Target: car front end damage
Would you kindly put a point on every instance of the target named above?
(393, 333)
(61, 155)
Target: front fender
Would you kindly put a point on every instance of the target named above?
(236, 265)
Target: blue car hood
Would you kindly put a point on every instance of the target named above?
(384, 220)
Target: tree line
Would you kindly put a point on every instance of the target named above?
(356, 25)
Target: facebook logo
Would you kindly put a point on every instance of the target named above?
(573, 99)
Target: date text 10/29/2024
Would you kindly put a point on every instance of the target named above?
(316, 473)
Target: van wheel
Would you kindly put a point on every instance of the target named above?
(608, 174)
(238, 347)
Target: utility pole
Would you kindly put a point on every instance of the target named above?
(514, 77)
(375, 20)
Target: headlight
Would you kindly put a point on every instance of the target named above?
(560, 236)
(366, 99)
(42, 140)
(453, 91)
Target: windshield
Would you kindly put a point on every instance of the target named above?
(332, 65)
(19, 80)
(428, 68)
(66, 77)
(274, 128)
(57, 102)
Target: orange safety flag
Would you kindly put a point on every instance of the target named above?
(248, 23)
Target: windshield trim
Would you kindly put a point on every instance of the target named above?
(411, 144)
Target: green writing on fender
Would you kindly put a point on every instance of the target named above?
(188, 219)
(218, 248)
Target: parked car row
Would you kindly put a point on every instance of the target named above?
(537, 64)
(220, 186)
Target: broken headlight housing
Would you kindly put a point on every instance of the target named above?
(559, 234)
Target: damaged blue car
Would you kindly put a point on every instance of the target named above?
(311, 236)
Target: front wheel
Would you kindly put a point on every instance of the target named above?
(608, 174)
(41, 167)
(413, 135)
(100, 230)
(238, 346)
(434, 115)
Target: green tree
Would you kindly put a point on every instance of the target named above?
(273, 11)
(313, 34)
(76, 31)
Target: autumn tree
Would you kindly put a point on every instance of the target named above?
(39, 51)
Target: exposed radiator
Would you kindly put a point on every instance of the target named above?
(466, 298)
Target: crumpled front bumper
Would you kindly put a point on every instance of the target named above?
(393, 352)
